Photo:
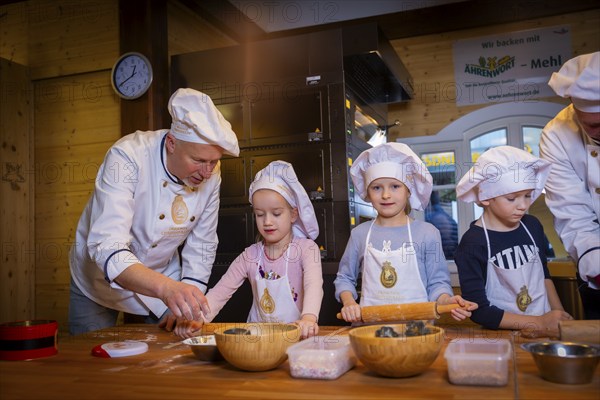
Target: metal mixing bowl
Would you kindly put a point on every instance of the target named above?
(204, 347)
(564, 362)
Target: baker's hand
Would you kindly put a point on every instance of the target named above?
(184, 300)
(168, 322)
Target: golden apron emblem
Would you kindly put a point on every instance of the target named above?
(523, 299)
(267, 304)
(388, 275)
(179, 211)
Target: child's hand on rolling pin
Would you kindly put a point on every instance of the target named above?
(351, 313)
(350, 310)
(465, 309)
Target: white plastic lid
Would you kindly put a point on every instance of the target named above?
(120, 349)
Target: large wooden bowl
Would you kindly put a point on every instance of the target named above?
(263, 349)
(396, 357)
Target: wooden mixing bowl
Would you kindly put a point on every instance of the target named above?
(396, 357)
(264, 348)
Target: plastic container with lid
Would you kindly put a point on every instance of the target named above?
(321, 357)
(481, 362)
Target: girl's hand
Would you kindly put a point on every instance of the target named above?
(462, 313)
(351, 313)
(308, 326)
(186, 328)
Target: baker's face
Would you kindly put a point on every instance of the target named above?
(590, 123)
(191, 162)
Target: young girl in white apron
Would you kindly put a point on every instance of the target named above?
(284, 267)
(394, 180)
(505, 181)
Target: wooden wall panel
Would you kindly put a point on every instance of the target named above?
(429, 61)
(14, 34)
(17, 263)
(71, 37)
(77, 119)
(188, 32)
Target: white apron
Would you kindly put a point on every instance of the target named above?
(273, 300)
(391, 276)
(519, 291)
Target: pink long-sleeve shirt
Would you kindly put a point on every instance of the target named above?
(304, 275)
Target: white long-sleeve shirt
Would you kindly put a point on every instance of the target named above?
(573, 190)
(140, 213)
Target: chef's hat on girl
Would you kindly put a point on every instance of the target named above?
(196, 119)
(280, 177)
(397, 161)
(579, 79)
(503, 170)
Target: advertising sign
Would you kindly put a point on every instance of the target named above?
(515, 66)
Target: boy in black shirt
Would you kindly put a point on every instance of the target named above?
(501, 259)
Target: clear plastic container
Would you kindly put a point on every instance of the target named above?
(321, 357)
(481, 362)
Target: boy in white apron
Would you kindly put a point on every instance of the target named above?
(501, 259)
(401, 260)
(284, 268)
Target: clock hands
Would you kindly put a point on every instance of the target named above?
(131, 76)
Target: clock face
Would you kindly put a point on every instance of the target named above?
(131, 75)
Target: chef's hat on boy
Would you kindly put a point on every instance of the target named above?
(196, 119)
(579, 79)
(397, 161)
(280, 177)
(503, 170)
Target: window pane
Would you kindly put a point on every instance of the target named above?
(441, 212)
(442, 208)
(482, 143)
(531, 139)
(441, 167)
(486, 141)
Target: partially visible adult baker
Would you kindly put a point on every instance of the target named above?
(571, 141)
(154, 192)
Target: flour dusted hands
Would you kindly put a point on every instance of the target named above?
(184, 300)
(308, 326)
(186, 329)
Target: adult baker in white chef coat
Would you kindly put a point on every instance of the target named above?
(155, 191)
(571, 142)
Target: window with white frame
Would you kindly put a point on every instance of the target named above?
(449, 155)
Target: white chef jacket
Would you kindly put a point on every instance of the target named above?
(140, 213)
(573, 189)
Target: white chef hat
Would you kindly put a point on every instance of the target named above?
(280, 177)
(503, 170)
(197, 120)
(397, 161)
(579, 79)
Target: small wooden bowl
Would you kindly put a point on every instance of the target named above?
(261, 349)
(396, 357)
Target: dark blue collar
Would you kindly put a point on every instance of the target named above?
(163, 152)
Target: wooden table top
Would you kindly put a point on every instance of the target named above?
(169, 370)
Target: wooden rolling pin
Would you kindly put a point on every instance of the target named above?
(587, 331)
(403, 312)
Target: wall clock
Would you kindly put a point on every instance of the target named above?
(131, 75)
